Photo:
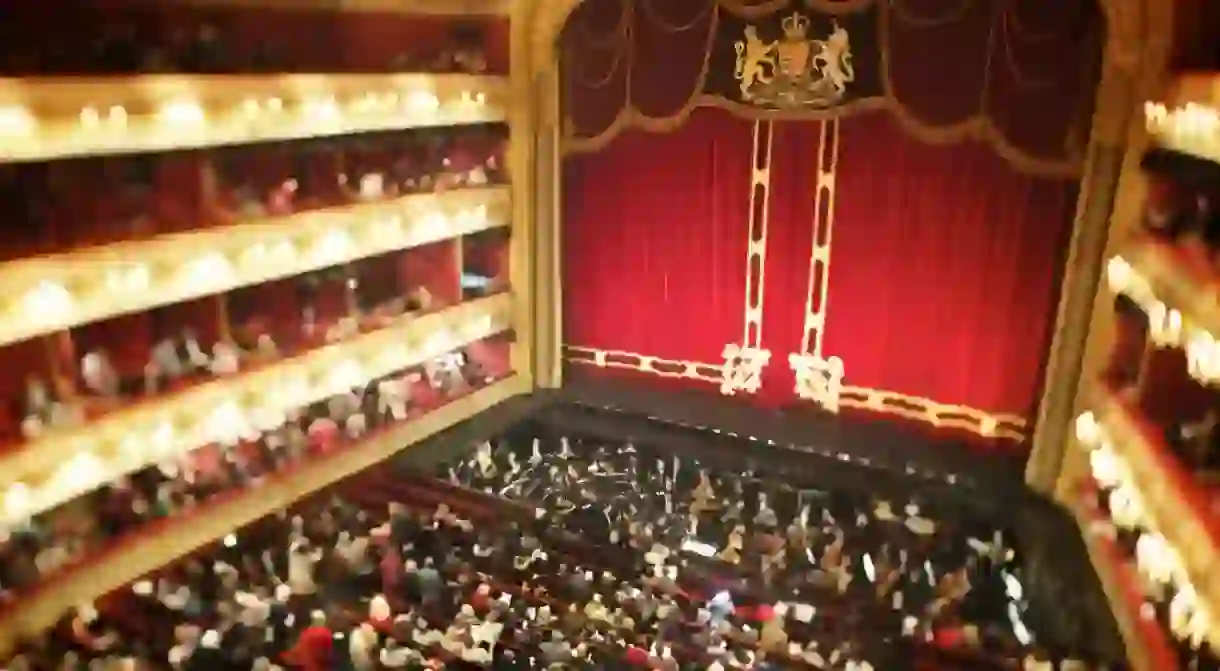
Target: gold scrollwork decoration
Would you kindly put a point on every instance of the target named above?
(942, 415)
(613, 37)
(755, 10)
(630, 117)
(952, 15)
(1012, 16)
(979, 126)
(750, 10)
(584, 80)
(655, 16)
(839, 6)
(1018, 73)
(711, 373)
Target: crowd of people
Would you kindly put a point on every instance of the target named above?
(571, 556)
(883, 572)
(53, 542)
(1172, 604)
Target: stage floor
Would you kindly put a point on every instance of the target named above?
(882, 440)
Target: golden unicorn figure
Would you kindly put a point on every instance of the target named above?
(834, 59)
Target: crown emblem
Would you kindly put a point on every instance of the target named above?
(795, 27)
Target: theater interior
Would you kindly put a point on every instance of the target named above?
(429, 334)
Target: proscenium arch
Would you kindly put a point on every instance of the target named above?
(1139, 40)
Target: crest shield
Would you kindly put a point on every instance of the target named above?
(794, 70)
(794, 50)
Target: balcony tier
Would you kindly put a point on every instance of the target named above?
(53, 117)
(211, 523)
(1148, 647)
(1176, 504)
(53, 293)
(1188, 121)
(64, 465)
(1178, 277)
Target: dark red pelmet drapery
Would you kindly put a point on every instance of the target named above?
(955, 190)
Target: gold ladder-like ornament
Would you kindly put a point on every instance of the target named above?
(745, 361)
(819, 378)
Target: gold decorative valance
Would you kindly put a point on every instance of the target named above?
(1017, 76)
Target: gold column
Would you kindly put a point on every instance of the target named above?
(549, 19)
(1135, 61)
(522, 119)
(548, 306)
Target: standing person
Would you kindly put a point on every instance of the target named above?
(315, 649)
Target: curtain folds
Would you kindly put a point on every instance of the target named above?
(654, 244)
(944, 268)
(1017, 74)
(944, 260)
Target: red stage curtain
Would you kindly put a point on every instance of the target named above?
(944, 260)
(944, 268)
(654, 241)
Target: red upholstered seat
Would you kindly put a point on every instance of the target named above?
(178, 201)
(272, 308)
(126, 340)
(1169, 394)
(324, 180)
(20, 362)
(494, 355)
(433, 267)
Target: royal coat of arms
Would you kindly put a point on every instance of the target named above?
(794, 71)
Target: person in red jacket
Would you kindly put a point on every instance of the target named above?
(315, 648)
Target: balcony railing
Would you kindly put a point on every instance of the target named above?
(1171, 500)
(65, 465)
(1148, 646)
(142, 554)
(52, 293)
(55, 117)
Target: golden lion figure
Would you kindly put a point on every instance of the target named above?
(752, 54)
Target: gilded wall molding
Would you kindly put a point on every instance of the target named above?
(1137, 50)
(523, 119)
(978, 126)
(547, 241)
